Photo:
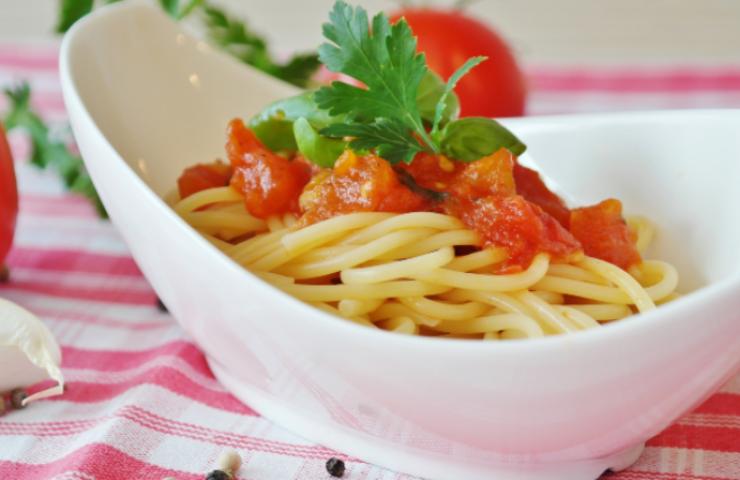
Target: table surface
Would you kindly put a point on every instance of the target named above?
(141, 401)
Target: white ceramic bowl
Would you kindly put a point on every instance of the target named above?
(146, 100)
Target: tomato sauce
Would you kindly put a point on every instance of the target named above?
(604, 234)
(508, 205)
(530, 186)
(357, 184)
(519, 226)
(202, 177)
(271, 184)
(434, 172)
(484, 196)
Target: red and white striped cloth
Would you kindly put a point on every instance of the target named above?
(141, 401)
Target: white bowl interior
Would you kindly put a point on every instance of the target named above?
(681, 169)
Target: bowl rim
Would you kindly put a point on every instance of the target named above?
(707, 294)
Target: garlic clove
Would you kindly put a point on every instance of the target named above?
(28, 352)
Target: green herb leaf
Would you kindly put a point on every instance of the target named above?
(298, 70)
(47, 150)
(389, 137)
(431, 89)
(177, 11)
(70, 11)
(316, 148)
(274, 124)
(450, 86)
(235, 37)
(471, 138)
(384, 58)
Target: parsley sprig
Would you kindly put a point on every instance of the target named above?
(234, 37)
(229, 33)
(48, 149)
(385, 116)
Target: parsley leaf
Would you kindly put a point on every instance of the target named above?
(390, 137)
(235, 37)
(177, 11)
(298, 70)
(227, 32)
(70, 11)
(450, 86)
(388, 116)
(48, 151)
(384, 58)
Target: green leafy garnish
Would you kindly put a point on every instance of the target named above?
(70, 11)
(384, 117)
(449, 87)
(230, 34)
(384, 58)
(234, 37)
(431, 90)
(471, 138)
(49, 152)
(179, 10)
(389, 138)
(318, 149)
(274, 124)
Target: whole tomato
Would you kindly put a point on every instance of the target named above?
(496, 87)
(8, 198)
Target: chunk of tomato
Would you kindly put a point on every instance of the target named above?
(604, 234)
(529, 185)
(271, 184)
(490, 175)
(357, 183)
(202, 177)
(520, 227)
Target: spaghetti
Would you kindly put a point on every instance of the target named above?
(426, 273)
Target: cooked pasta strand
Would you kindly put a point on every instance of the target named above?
(401, 272)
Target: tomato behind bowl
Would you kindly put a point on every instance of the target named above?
(8, 198)
(495, 88)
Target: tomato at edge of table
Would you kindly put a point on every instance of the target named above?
(8, 198)
(496, 87)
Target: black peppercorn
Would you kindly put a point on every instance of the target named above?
(161, 306)
(218, 475)
(335, 467)
(4, 274)
(16, 398)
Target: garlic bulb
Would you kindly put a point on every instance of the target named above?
(28, 352)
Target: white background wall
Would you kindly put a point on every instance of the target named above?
(541, 31)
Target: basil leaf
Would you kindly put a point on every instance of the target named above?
(431, 89)
(471, 138)
(318, 149)
(274, 125)
(464, 69)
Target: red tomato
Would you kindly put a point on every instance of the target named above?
(203, 176)
(8, 198)
(513, 223)
(357, 184)
(496, 87)
(270, 183)
(529, 185)
(604, 233)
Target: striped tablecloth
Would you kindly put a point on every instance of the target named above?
(141, 402)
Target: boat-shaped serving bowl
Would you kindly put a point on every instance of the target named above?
(147, 100)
